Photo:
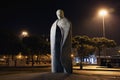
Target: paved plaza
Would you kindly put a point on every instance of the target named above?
(56, 76)
(88, 73)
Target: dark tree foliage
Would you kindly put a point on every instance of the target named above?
(9, 42)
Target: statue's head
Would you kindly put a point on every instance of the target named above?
(60, 14)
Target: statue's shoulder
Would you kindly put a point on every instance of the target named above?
(66, 20)
(54, 23)
(53, 27)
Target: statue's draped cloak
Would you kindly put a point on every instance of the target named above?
(60, 39)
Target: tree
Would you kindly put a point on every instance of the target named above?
(101, 43)
(35, 44)
(82, 44)
(86, 45)
(9, 43)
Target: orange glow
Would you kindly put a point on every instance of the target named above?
(72, 55)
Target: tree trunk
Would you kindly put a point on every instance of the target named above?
(37, 59)
(81, 65)
(8, 60)
(32, 61)
(15, 62)
(81, 56)
(99, 60)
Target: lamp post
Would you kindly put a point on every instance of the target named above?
(103, 13)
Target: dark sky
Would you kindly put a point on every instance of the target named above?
(37, 16)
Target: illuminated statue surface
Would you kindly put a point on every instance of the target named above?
(60, 40)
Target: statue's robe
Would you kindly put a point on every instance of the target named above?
(60, 39)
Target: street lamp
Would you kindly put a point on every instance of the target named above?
(103, 13)
(24, 34)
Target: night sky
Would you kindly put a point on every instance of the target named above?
(37, 16)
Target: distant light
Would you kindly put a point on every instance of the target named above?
(103, 12)
(26, 56)
(119, 51)
(72, 55)
(4, 56)
(24, 33)
(36, 56)
(19, 56)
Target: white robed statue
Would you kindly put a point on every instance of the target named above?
(60, 40)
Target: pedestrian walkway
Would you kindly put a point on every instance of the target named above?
(99, 68)
(56, 76)
(89, 72)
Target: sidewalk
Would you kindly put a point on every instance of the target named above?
(56, 76)
(97, 68)
(89, 72)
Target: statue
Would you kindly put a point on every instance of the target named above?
(60, 39)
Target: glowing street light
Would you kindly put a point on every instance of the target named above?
(103, 13)
(24, 34)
